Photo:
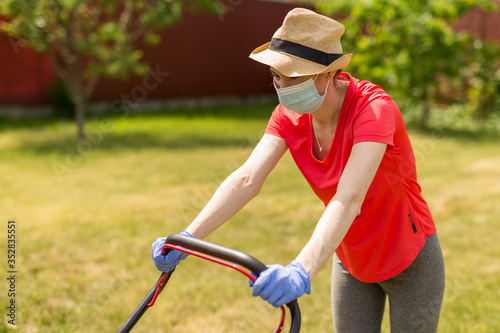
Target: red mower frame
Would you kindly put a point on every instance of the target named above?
(222, 255)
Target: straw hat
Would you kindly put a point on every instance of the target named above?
(306, 44)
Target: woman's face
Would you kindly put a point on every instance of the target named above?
(282, 81)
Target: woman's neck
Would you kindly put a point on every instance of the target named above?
(324, 120)
(328, 113)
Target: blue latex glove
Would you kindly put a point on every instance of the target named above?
(172, 259)
(279, 285)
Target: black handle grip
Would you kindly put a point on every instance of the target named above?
(236, 257)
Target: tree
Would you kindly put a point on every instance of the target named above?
(410, 47)
(89, 39)
(483, 81)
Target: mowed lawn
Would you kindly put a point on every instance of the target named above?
(87, 212)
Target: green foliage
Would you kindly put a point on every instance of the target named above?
(412, 50)
(87, 39)
(483, 78)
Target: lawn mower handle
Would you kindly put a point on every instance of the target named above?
(144, 305)
(236, 257)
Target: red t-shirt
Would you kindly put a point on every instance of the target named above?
(394, 221)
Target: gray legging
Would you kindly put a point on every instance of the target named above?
(415, 296)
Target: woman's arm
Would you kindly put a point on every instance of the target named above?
(240, 187)
(344, 207)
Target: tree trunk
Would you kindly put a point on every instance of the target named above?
(485, 103)
(424, 118)
(80, 106)
(426, 111)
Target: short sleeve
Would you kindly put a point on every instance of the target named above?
(376, 122)
(274, 126)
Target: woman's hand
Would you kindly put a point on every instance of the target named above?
(166, 263)
(280, 285)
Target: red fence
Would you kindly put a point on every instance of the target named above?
(485, 26)
(25, 75)
(203, 55)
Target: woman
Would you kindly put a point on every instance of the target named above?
(349, 140)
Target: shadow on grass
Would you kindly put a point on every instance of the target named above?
(460, 135)
(40, 140)
(137, 141)
(239, 112)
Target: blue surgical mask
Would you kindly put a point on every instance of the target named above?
(302, 97)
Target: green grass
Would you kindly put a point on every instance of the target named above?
(87, 214)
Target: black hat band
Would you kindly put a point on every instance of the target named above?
(305, 52)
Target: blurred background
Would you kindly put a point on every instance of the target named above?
(119, 119)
